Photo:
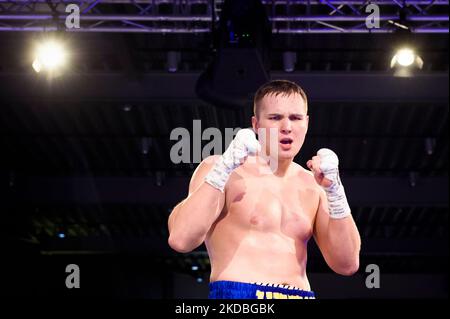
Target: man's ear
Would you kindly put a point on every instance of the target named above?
(255, 124)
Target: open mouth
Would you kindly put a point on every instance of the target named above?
(286, 141)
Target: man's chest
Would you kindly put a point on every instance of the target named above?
(268, 203)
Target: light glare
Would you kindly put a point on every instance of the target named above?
(49, 56)
(405, 57)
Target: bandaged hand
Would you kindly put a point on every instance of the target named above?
(243, 145)
(326, 173)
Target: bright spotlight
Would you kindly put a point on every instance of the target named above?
(404, 61)
(49, 56)
(405, 57)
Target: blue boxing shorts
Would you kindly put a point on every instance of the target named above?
(242, 290)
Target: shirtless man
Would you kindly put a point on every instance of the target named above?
(256, 225)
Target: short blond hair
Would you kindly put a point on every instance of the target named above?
(277, 87)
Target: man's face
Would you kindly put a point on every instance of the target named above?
(286, 114)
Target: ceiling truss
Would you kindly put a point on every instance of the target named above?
(180, 17)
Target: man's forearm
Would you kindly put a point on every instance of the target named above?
(342, 236)
(191, 219)
(344, 244)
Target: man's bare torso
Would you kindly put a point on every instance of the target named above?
(263, 230)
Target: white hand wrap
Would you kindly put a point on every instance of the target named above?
(244, 144)
(337, 201)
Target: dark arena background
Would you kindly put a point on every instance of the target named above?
(86, 175)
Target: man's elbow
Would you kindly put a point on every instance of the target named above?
(182, 245)
(178, 245)
(348, 269)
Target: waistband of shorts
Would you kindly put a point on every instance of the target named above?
(263, 290)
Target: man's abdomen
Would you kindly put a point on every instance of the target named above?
(260, 257)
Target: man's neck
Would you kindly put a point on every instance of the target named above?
(283, 167)
(279, 167)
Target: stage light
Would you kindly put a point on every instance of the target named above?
(37, 66)
(430, 144)
(160, 178)
(404, 57)
(405, 61)
(289, 61)
(145, 145)
(49, 56)
(412, 179)
(173, 59)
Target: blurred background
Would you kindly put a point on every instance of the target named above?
(87, 108)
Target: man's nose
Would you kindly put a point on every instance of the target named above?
(286, 126)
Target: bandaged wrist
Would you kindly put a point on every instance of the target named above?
(337, 201)
(218, 176)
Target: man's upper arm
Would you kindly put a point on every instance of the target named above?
(197, 180)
